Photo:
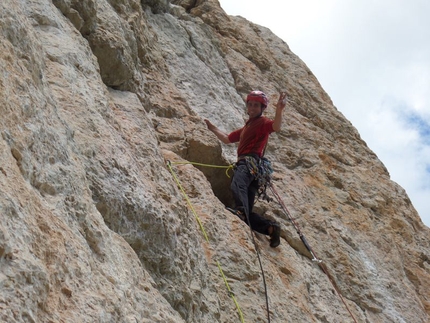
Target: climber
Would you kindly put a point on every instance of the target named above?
(252, 139)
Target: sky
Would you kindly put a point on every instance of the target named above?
(372, 57)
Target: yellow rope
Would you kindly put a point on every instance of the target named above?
(188, 201)
(169, 164)
(206, 165)
(230, 292)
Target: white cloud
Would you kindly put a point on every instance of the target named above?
(373, 59)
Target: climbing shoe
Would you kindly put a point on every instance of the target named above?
(275, 236)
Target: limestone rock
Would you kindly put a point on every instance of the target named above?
(100, 101)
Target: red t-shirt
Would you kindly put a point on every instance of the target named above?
(253, 136)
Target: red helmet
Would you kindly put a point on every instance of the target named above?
(259, 97)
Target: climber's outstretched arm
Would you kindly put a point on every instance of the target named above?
(219, 133)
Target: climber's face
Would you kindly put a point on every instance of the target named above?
(254, 108)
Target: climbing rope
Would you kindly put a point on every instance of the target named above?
(261, 267)
(230, 292)
(227, 168)
(314, 256)
(247, 219)
(188, 201)
(296, 226)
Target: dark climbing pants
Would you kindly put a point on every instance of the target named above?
(245, 187)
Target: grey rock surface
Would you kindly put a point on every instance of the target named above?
(96, 97)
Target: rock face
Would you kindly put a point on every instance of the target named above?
(96, 96)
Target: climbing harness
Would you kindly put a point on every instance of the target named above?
(261, 169)
(264, 177)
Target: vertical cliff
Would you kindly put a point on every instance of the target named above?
(96, 96)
